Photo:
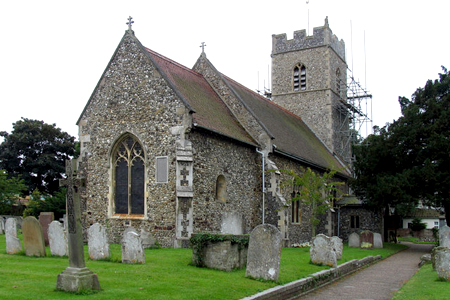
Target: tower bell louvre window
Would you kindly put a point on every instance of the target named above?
(299, 78)
(129, 170)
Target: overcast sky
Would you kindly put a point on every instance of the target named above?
(54, 52)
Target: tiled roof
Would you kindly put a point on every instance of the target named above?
(209, 110)
(291, 135)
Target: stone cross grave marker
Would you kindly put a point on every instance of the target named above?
(57, 238)
(98, 242)
(33, 237)
(264, 253)
(13, 245)
(354, 240)
(77, 276)
(45, 218)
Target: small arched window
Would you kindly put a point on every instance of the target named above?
(299, 78)
(221, 188)
(129, 175)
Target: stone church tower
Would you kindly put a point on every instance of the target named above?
(309, 79)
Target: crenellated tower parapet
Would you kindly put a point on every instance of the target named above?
(322, 36)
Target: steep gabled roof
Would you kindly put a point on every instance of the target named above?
(292, 136)
(209, 110)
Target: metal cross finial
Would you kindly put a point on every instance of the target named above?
(203, 45)
(130, 22)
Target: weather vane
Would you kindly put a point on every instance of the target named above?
(203, 45)
(130, 23)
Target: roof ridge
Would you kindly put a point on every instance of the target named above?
(172, 61)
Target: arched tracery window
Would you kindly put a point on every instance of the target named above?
(129, 176)
(299, 78)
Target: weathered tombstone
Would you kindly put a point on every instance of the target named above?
(2, 225)
(444, 236)
(264, 253)
(148, 241)
(338, 246)
(57, 238)
(442, 263)
(354, 240)
(433, 255)
(13, 245)
(322, 252)
(45, 218)
(366, 239)
(132, 249)
(377, 240)
(77, 276)
(98, 242)
(33, 237)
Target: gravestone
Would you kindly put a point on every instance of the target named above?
(13, 245)
(45, 218)
(338, 246)
(132, 249)
(322, 252)
(33, 237)
(264, 253)
(442, 263)
(57, 238)
(148, 241)
(433, 255)
(2, 225)
(354, 240)
(76, 276)
(366, 239)
(377, 241)
(444, 236)
(98, 242)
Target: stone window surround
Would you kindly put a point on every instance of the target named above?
(299, 78)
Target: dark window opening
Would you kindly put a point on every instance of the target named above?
(354, 221)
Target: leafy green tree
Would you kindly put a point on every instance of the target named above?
(409, 160)
(315, 191)
(37, 151)
(417, 225)
(10, 190)
(47, 203)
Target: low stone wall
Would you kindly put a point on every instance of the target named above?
(223, 252)
(297, 288)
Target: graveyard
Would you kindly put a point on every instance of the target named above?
(166, 274)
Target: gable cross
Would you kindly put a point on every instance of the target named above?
(130, 22)
(203, 45)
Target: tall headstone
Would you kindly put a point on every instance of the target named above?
(366, 239)
(77, 276)
(264, 253)
(322, 251)
(13, 245)
(45, 218)
(57, 238)
(444, 236)
(354, 240)
(377, 240)
(98, 242)
(132, 248)
(33, 237)
(338, 246)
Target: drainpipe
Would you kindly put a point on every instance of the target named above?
(263, 183)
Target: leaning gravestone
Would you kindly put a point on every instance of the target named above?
(132, 249)
(13, 245)
(76, 277)
(98, 242)
(377, 240)
(322, 252)
(45, 218)
(442, 263)
(444, 236)
(338, 246)
(366, 239)
(57, 238)
(33, 237)
(354, 240)
(264, 252)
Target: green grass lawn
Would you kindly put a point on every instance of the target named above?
(425, 284)
(167, 274)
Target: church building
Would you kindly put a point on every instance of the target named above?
(173, 150)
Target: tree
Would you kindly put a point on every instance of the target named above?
(315, 191)
(409, 160)
(47, 203)
(10, 191)
(37, 151)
